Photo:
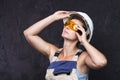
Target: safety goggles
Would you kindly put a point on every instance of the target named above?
(72, 25)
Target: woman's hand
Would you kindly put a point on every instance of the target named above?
(82, 38)
(61, 14)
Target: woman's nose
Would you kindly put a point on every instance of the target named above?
(67, 27)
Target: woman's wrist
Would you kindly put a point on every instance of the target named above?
(84, 42)
(54, 17)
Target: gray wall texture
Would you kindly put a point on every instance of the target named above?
(19, 61)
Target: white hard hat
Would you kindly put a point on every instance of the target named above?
(87, 20)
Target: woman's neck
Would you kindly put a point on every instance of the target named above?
(69, 48)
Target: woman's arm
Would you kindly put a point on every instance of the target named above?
(31, 33)
(94, 58)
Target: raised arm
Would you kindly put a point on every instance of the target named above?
(31, 33)
(94, 58)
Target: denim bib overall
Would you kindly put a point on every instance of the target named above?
(64, 70)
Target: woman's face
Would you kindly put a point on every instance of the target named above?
(70, 29)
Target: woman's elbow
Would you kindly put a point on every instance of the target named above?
(101, 63)
(27, 35)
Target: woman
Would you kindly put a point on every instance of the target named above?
(69, 62)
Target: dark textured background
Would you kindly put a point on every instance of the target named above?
(19, 61)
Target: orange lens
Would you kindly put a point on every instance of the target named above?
(71, 25)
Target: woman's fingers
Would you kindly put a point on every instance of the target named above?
(61, 14)
(81, 29)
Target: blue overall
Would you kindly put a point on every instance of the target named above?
(64, 70)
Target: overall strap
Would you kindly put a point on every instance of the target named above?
(55, 57)
(77, 54)
(58, 52)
